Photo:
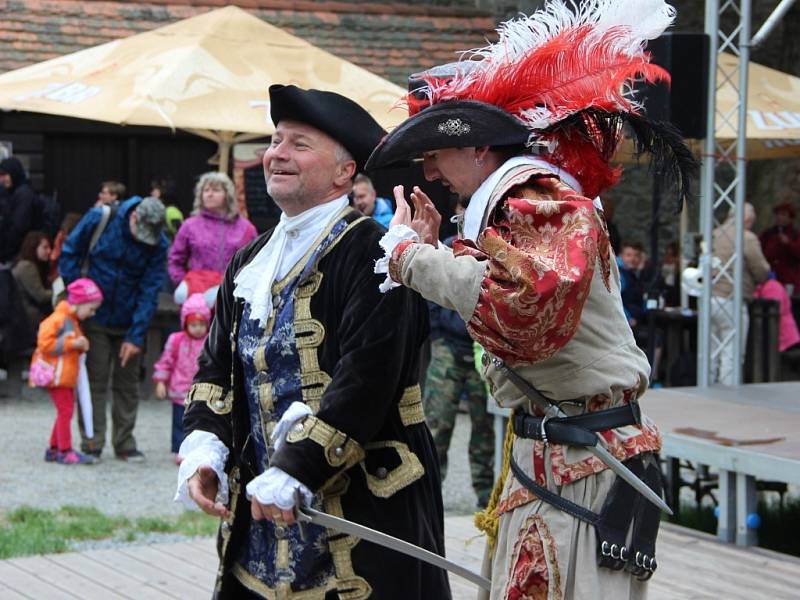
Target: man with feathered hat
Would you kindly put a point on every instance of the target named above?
(307, 386)
(526, 130)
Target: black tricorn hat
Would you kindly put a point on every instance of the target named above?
(454, 124)
(333, 114)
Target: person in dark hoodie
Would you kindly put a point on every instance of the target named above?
(19, 210)
(128, 262)
(17, 218)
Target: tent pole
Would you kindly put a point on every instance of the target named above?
(224, 155)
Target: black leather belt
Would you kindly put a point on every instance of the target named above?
(578, 430)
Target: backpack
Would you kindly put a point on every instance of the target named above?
(58, 287)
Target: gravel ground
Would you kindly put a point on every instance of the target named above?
(119, 488)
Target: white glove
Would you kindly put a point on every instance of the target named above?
(277, 487)
(295, 412)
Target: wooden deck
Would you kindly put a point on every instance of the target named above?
(692, 566)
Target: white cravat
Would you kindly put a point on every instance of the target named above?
(476, 209)
(291, 239)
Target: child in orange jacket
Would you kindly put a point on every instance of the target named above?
(56, 363)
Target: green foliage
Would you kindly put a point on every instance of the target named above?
(28, 530)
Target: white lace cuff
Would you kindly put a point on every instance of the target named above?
(389, 241)
(277, 487)
(198, 449)
(295, 412)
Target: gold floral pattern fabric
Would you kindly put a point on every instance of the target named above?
(542, 244)
(535, 574)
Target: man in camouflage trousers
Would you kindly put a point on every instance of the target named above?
(451, 375)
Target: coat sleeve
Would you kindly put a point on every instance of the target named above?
(540, 249)
(179, 256)
(76, 246)
(754, 259)
(51, 338)
(379, 336)
(27, 276)
(166, 362)
(147, 296)
(21, 221)
(210, 399)
(250, 233)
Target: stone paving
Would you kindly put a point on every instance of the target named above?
(115, 487)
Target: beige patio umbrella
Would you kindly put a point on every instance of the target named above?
(208, 75)
(773, 110)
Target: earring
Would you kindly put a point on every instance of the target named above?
(478, 162)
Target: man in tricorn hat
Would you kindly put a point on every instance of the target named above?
(308, 386)
(526, 131)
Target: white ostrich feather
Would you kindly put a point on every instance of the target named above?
(634, 21)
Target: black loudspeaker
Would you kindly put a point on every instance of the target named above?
(684, 103)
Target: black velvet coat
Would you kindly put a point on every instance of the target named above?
(367, 451)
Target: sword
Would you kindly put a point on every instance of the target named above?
(306, 514)
(552, 411)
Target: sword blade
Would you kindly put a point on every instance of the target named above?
(311, 515)
(640, 486)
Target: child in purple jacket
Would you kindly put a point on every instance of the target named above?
(207, 240)
(177, 366)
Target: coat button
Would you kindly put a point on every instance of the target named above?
(339, 451)
(298, 428)
(280, 532)
(381, 473)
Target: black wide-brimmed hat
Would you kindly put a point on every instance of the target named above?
(455, 124)
(333, 114)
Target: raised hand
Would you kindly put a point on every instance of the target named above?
(425, 220)
(402, 215)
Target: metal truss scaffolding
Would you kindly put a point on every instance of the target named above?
(721, 335)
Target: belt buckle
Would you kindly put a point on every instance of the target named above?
(543, 432)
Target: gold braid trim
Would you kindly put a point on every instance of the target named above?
(410, 406)
(213, 395)
(487, 520)
(280, 592)
(225, 524)
(357, 588)
(340, 450)
(386, 484)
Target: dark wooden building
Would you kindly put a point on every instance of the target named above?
(71, 157)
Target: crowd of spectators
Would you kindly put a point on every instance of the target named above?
(131, 248)
(121, 245)
(771, 270)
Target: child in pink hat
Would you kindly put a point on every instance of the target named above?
(56, 363)
(174, 371)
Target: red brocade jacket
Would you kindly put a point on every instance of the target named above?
(539, 289)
